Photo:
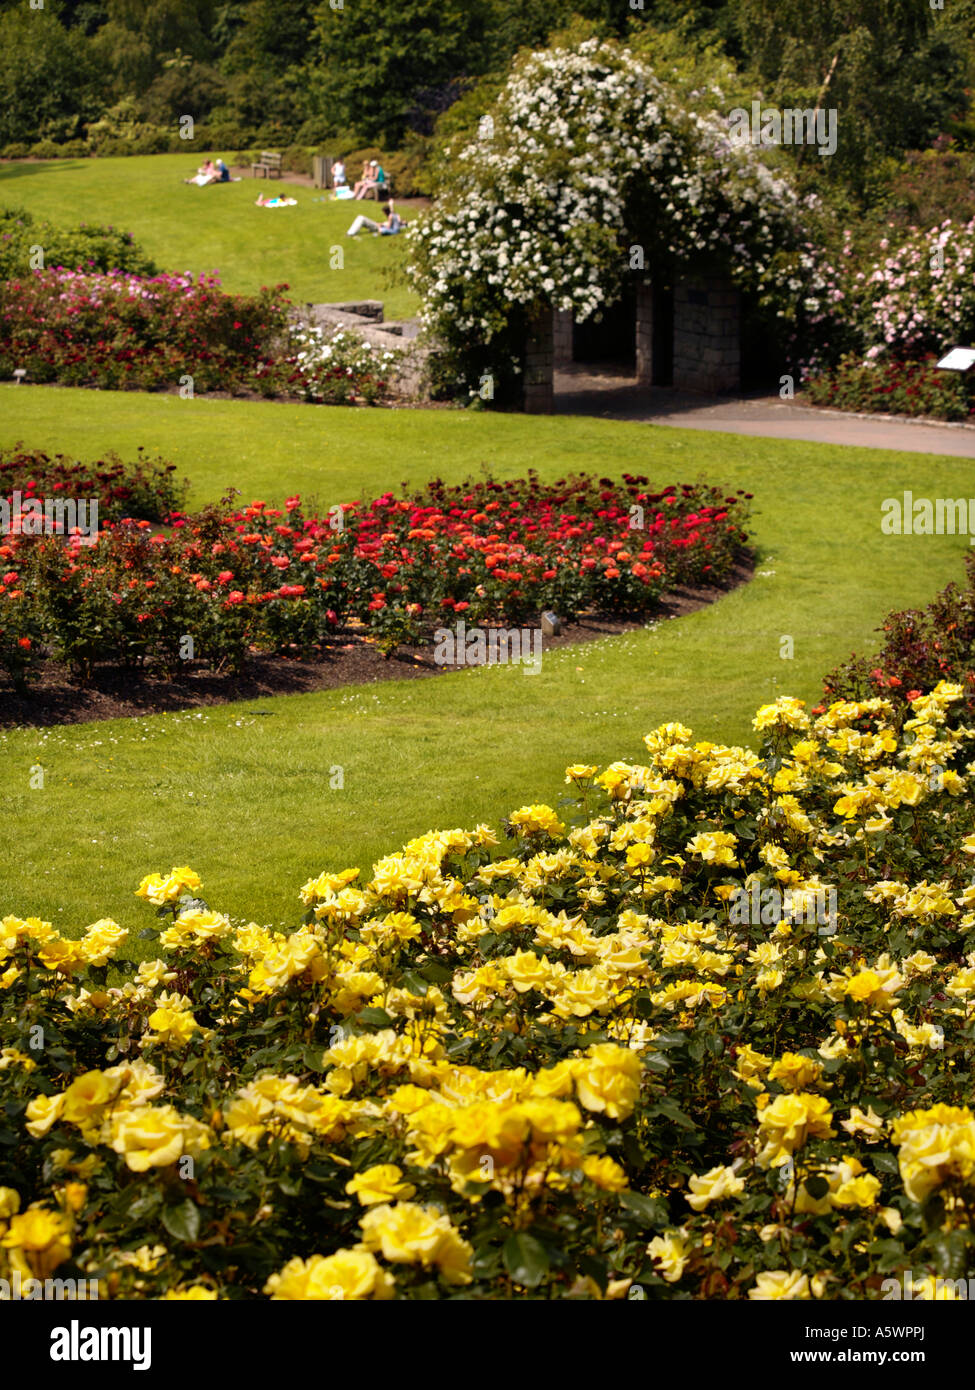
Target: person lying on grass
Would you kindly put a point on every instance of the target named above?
(393, 223)
(276, 202)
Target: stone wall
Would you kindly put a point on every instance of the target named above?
(562, 321)
(707, 335)
(365, 318)
(539, 393)
(644, 335)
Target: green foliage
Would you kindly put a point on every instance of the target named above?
(384, 70)
(49, 80)
(75, 248)
(142, 37)
(898, 76)
(894, 387)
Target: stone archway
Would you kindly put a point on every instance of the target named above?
(697, 346)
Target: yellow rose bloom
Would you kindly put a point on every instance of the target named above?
(410, 1234)
(352, 1275)
(192, 1293)
(670, 1252)
(608, 1080)
(714, 1186)
(42, 1112)
(381, 1183)
(155, 1136)
(779, 1284)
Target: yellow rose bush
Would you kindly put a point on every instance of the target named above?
(706, 1026)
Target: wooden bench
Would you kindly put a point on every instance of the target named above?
(269, 163)
(380, 192)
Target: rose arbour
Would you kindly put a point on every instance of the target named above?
(587, 152)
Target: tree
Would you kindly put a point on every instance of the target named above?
(141, 35)
(48, 79)
(273, 35)
(374, 61)
(892, 75)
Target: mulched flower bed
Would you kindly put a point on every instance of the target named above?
(351, 660)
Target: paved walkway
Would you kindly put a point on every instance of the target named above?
(585, 390)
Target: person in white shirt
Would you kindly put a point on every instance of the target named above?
(338, 174)
(393, 223)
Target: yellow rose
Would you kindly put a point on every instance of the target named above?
(40, 1236)
(608, 1080)
(42, 1112)
(787, 1122)
(935, 1145)
(194, 1293)
(796, 1072)
(154, 1136)
(713, 1186)
(381, 1183)
(87, 1096)
(410, 1234)
(671, 1253)
(605, 1173)
(351, 1275)
(780, 1283)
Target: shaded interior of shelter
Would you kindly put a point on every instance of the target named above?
(696, 338)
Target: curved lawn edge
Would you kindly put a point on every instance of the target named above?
(250, 788)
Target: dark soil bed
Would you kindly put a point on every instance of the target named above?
(352, 660)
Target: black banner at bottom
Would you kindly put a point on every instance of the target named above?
(70, 1341)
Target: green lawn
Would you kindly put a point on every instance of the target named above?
(218, 228)
(242, 792)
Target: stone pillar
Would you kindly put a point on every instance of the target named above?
(562, 320)
(644, 335)
(707, 335)
(539, 391)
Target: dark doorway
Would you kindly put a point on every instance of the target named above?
(763, 350)
(612, 339)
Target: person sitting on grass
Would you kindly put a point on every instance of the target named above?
(222, 171)
(207, 173)
(393, 223)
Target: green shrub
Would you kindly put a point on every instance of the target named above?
(895, 387)
(296, 159)
(75, 248)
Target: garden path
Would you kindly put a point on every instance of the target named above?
(586, 390)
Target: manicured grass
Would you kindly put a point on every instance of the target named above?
(242, 792)
(219, 228)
